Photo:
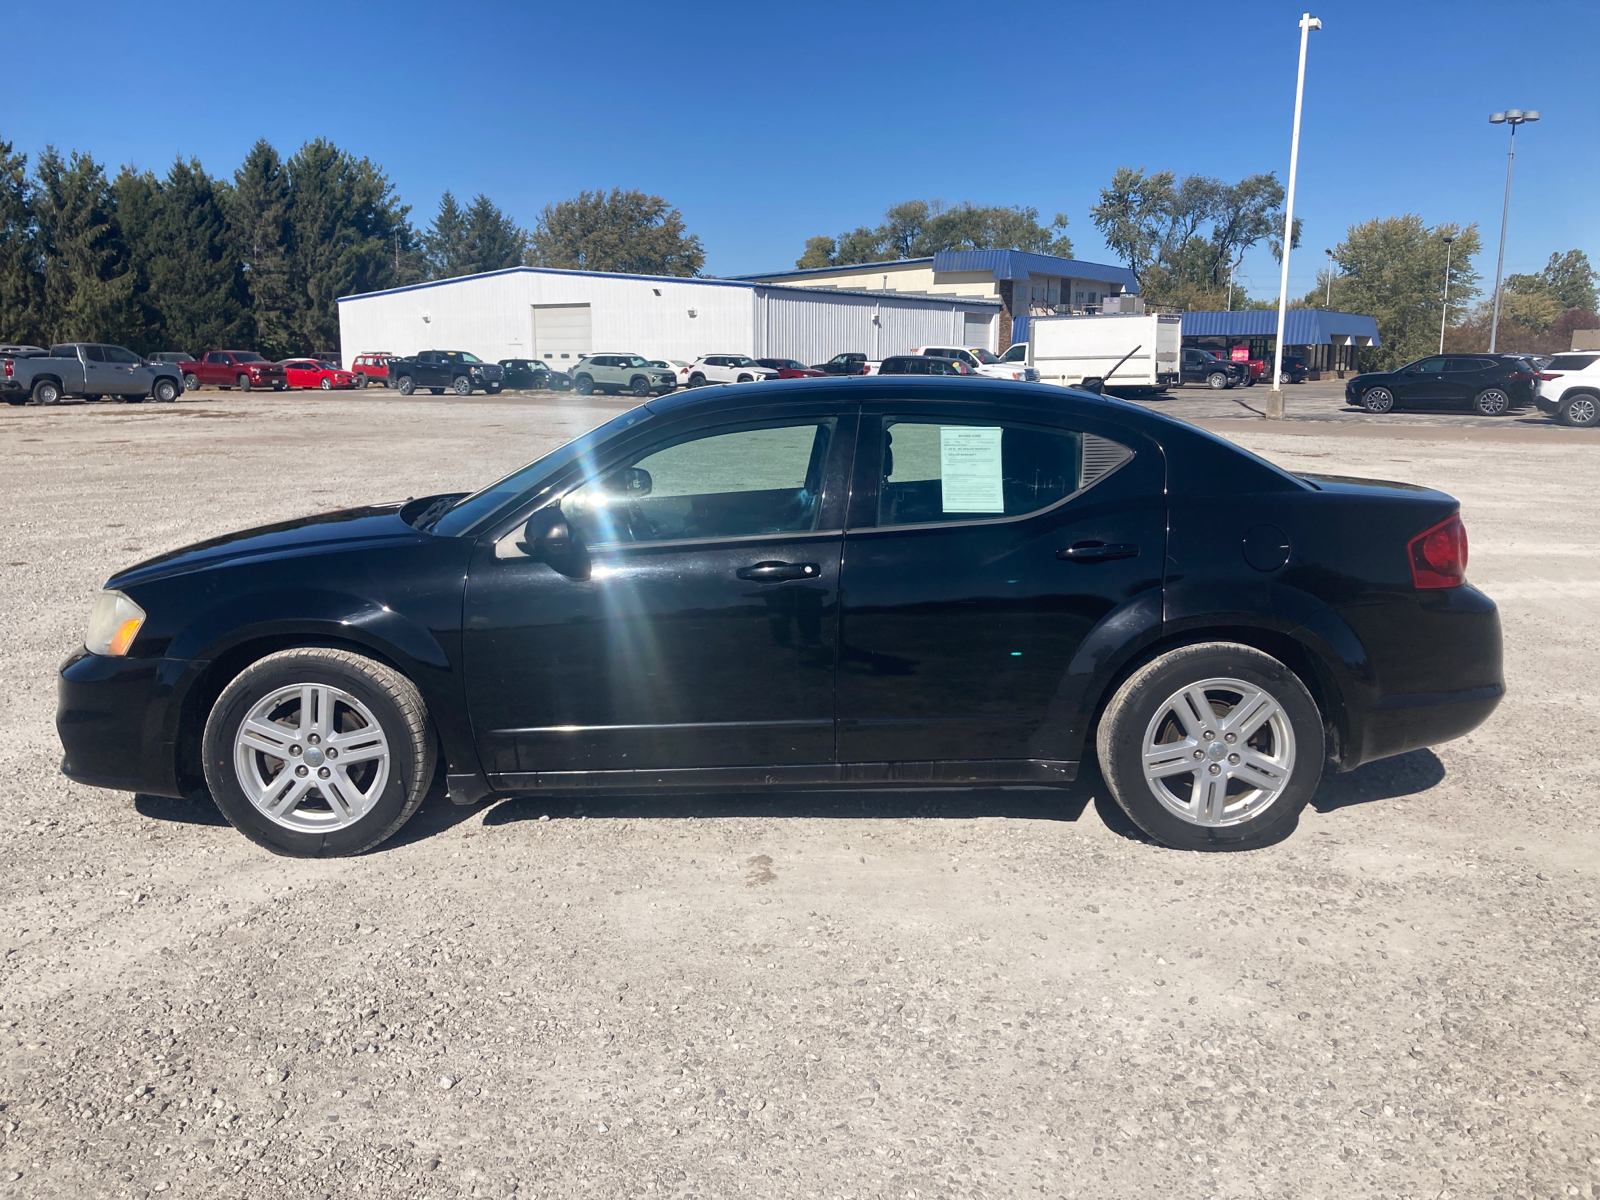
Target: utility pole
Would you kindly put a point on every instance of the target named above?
(1275, 396)
(1328, 302)
(1444, 316)
(1512, 117)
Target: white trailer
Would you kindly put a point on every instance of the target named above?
(1068, 350)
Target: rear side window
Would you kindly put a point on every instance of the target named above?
(943, 471)
(95, 353)
(1572, 362)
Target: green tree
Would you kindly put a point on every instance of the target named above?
(917, 228)
(88, 283)
(21, 269)
(625, 232)
(1567, 279)
(344, 219)
(1134, 215)
(446, 240)
(494, 240)
(820, 251)
(1393, 269)
(261, 235)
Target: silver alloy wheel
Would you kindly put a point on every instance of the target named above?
(1581, 410)
(1378, 400)
(1492, 402)
(1218, 752)
(311, 757)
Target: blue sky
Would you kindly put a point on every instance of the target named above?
(768, 123)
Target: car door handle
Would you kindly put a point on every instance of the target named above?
(777, 572)
(1087, 552)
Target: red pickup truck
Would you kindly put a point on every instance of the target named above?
(233, 368)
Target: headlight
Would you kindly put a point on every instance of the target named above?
(113, 624)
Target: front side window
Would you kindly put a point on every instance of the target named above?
(116, 354)
(943, 471)
(634, 361)
(728, 483)
(1427, 366)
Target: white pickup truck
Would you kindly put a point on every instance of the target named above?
(982, 361)
(86, 369)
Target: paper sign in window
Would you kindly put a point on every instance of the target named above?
(969, 468)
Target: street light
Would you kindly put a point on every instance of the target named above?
(1512, 117)
(1448, 246)
(1275, 397)
(1328, 303)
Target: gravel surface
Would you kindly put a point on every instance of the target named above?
(911, 994)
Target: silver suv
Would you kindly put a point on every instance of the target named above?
(619, 373)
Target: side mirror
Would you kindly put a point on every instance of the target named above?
(547, 533)
(631, 482)
(1094, 384)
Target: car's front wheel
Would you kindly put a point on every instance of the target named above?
(244, 383)
(1377, 400)
(406, 385)
(327, 384)
(1215, 746)
(1491, 402)
(461, 385)
(319, 753)
(639, 386)
(191, 383)
(166, 390)
(1217, 380)
(1581, 410)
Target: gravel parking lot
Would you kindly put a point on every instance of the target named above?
(912, 994)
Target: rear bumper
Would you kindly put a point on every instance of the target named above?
(118, 721)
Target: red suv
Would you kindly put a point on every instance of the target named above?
(372, 368)
(233, 368)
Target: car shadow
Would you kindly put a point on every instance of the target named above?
(1386, 779)
(197, 808)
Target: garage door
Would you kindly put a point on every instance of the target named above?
(975, 330)
(561, 331)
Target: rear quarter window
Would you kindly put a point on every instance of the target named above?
(1573, 362)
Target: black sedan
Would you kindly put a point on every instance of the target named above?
(877, 581)
(1488, 384)
(531, 374)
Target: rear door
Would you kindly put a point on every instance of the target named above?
(100, 377)
(984, 544)
(695, 627)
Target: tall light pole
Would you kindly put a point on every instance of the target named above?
(1443, 316)
(1328, 301)
(1512, 117)
(1275, 396)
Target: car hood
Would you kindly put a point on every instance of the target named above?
(345, 529)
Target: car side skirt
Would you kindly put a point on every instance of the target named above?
(952, 773)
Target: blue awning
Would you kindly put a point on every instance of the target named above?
(1301, 326)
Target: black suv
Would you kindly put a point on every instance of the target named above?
(843, 364)
(925, 364)
(1202, 366)
(531, 373)
(1488, 384)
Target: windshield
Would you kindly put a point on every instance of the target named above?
(484, 505)
(463, 356)
(984, 356)
(1017, 353)
(248, 357)
(634, 361)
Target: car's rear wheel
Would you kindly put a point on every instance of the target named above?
(47, 391)
(318, 753)
(1217, 380)
(461, 385)
(1581, 410)
(697, 380)
(639, 386)
(166, 390)
(1214, 746)
(584, 385)
(1491, 402)
(1377, 400)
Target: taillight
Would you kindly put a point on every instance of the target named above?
(11, 368)
(1547, 377)
(1439, 555)
(1521, 375)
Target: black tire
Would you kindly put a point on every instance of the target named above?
(47, 391)
(697, 380)
(191, 383)
(1132, 716)
(1249, 380)
(461, 385)
(1491, 402)
(327, 384)
(166, 390)
(1378, 400)
(584, 385)
(1581, 410)
(406, 385)
(278, 387)
(361, 381)
(244, 383)
(639, 386)
(401, 714)
(1217, 380)
(746, 379)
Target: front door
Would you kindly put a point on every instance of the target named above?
(1422, 383)
(693, 625)
(980, 553)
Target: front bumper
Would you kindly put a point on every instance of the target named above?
(118, 720)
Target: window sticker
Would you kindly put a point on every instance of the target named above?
(969, 467)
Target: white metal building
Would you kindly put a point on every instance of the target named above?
(557, 316)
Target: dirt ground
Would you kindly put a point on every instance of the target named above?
(911, 994)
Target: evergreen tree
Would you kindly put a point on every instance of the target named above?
(196, 282)
(21, 273)
(137, 195)
(446, 241)
(494, 240)
(260, 232)
(88, 285)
